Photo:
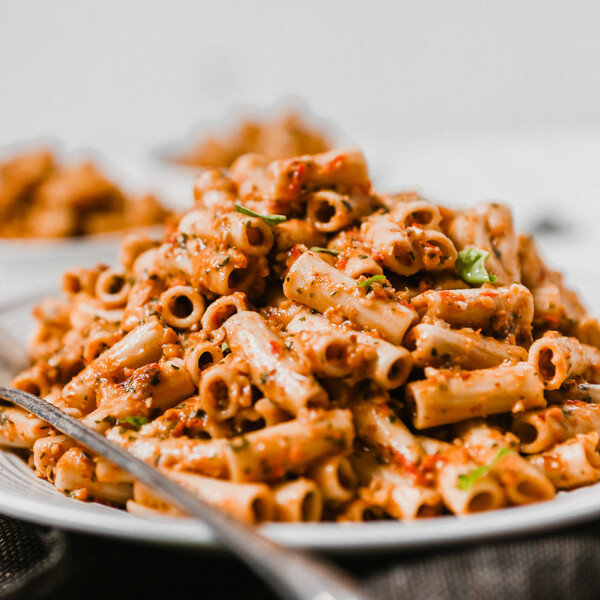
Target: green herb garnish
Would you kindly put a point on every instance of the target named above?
(270, 219)
(224, 262)
(465, 482)
(224, 347)
(324, 250)
(136, 422)
(470, 266)
(371, 280)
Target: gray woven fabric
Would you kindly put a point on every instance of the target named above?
(30, 559)
(36, 563)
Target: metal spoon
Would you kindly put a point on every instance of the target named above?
(291, 574)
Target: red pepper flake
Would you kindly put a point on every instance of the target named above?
(342, 262)
(275, 348)
(334, 164)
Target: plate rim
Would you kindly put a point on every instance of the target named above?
(338, 538)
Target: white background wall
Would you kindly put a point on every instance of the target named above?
(468, 99)
(140, 73)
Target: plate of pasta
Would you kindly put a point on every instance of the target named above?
(384, 370)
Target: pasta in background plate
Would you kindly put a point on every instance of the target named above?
(40, 198)
(302, 348)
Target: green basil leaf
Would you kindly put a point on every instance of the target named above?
(470, 266)
(465, 482)
(270, 219)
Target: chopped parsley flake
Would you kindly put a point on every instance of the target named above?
(371, 280)
(324, 250)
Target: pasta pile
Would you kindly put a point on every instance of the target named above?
(282, 137)
(301, 348)
(39, 198)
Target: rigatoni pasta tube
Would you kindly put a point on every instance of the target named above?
(385, 363)
(449, 396)
(540, 429)
(298, 501)
(221, 309)
(329, 211)
(140, 346)
(19, 428)
(571, 464)
(249, 502)
(395, 490)
(200, 356)
(558, 358)
(378, 425)
(522, 483)
(224, 391)
(409, 210)
(75, 475)
(485, 492)
(290, 447)
(435, 346)
(272, 366)
(506, 310)
(289, 178)
(392, 243)
(336, 478)
(181, 306)
(436, 251)
(314, 283)
(202, 456)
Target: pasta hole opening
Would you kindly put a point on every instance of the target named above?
(480, 502)
(546, 366)
(592, 455)
(434, 251)
(224, 313)
(531, 489)
(309, 510)
(255, 236)
(115, 284)
(526, 432)
(72, 283)
(31, 387)
(248, 425)
(181, 306)
(260, 510)
(396, 370)
(219, 394)
(237, 278)
(425, 511)
(346, 476)
(205, 360)
(324, 212)
(403, 255)
(421, 217)
(335, 353)
(317, 400)
(369, 514)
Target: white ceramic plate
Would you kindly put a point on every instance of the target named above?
(24, 496)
